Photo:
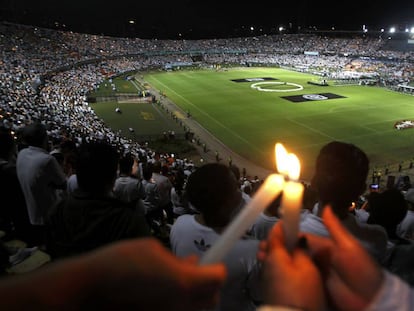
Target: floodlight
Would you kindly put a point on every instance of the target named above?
(392, 29)
(412, 30)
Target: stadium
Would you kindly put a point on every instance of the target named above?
(242, 99)
(186, 103)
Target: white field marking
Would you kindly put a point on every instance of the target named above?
(135, 84)
(162, 115)
(210, 117)
(312, 129)
(256, 86)
(155, 106)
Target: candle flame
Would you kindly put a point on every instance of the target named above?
(281, 155)
(287, 164)
(293, 165)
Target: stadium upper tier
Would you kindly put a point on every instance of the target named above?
(39, 50)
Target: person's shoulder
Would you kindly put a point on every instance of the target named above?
(184, 219)
(126, 180)
(410, 214)
(313, 224)
(378, 229)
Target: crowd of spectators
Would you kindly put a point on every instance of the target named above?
(96, 187)
(47, 74)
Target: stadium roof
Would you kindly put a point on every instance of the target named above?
(188, 19)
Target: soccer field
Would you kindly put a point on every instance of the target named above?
(250, 121)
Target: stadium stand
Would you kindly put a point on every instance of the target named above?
(47, 74)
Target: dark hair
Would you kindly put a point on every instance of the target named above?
(156, 166)
(6, 143)
(34, 134)
(340, 174)
(147, 170)
(236, 171)
(165, 170)
(179, 181)
(96, 166)
(387, 208)
(125, 164)
(212, 189)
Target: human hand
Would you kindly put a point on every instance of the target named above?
(289, 279)
(351, 277)
(143, 275)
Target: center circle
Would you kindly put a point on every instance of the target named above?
(257, 86)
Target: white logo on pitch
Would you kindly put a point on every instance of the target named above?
(254, 79)
(314, 97)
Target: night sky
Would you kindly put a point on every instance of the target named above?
(206, 19)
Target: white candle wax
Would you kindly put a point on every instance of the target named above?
(270, 189)
(291, 207)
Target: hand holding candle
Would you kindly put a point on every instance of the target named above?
(288, 165)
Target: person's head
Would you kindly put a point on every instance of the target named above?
(213, 190)
(340, 175)
(96, 167)
(236, 171)
(7, 145)
(165, 170)
(409, 198)
(179, 180)
(247, 187)
(157, 167)
(125, 164)
(387, 208)
(35, 134)
(147, 170)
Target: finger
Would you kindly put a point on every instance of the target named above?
(276, 246)
(339, 292)
(320, 250)
(339, 234)
(262, 252)
(364, 276)
(276, 236)
(263, 245)
(317, 243)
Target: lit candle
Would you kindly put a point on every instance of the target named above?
(271, 188)
(291, 200)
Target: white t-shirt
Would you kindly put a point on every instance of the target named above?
(263, 224)
(406, 228)
(40, 175)
(188, 237)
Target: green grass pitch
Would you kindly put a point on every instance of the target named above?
(250, 122)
